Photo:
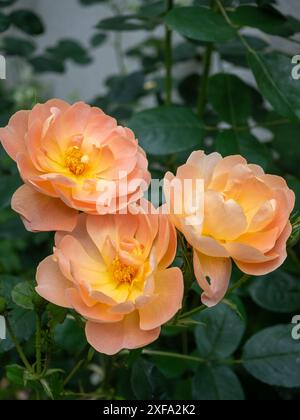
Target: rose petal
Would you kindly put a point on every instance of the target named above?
(12, 137)
(218, 270)
(98, 312)
(41, 213)
(52, 285)
(112, 338)
(167, 300)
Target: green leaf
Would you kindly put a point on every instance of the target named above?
(27, 21)
(184, 51)
(69, 336)
(153, 9)
(168, 129)
(221, 333)
(126, 23)
(23, 325)
(4, 22)
(169, 367)
(7, 283)
(217, 384)
(6, 3)
(230, 142)
(232, 98)
(286, 144)
(69, 49)
(15, 375)
(98, 39)
(23, 295)
(275, 82)
(272, 356)
(234, 51)
(45, 64)
(208, 2)
(200, 24)
(91, 2)
(16, 46)
(56, 314)
(267, 20)
(276, 292)
(141, 379)
(126, 89)
(9, 184)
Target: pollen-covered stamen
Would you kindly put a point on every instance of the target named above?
(76, 161)
(123, 273)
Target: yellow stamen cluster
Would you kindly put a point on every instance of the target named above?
(123, 273)
(76, 161)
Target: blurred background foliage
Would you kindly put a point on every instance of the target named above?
(235, 95)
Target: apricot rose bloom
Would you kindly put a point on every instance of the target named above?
(113, 270)
(72, 158)
(246, 218)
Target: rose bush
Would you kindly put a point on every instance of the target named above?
(112, 281)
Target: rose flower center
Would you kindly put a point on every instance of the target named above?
(76, 161)
(123, 273)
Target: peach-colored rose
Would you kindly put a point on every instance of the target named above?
(72, 158)
(246, 218)
(113, 270)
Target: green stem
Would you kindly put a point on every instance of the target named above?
(227, 362)
(193, 312)
(38, 344)
(18, 347)
(202, 93)
(79, 364)
(173, 355)
(73, 372)
(168, 59)
(202, 96)
(118, 41)
(243, 280)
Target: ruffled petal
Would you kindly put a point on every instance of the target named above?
(112, 338)
(41, 213)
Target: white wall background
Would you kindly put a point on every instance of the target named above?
(68, 19)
